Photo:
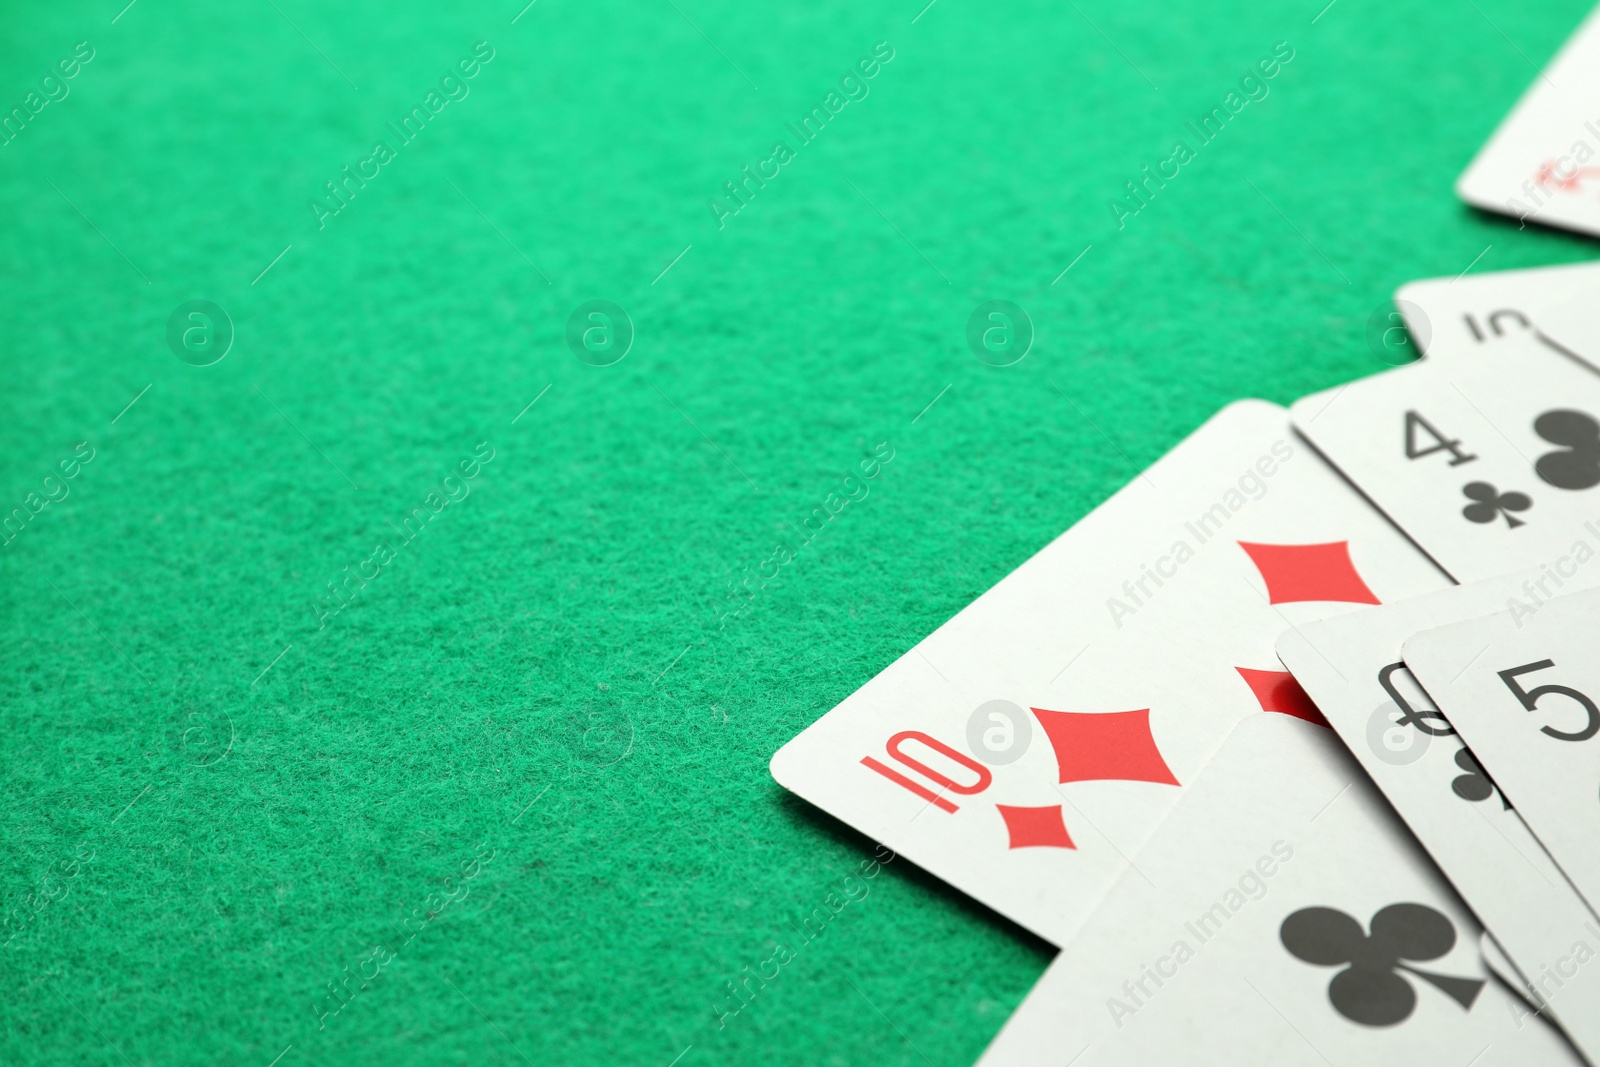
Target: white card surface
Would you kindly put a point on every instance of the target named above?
(1484, 462)
(1543, 163)
(1281, 916)
(1351, 667)
(1500, 965)
(1028, 745)
(1521, 688)
(1567, 322)
(1491, 313)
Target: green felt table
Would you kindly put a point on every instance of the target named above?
(357, 711)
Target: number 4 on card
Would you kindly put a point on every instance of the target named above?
(1441, 443)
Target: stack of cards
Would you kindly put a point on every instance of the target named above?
(1292, 746)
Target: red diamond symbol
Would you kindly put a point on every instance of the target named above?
(1036, 827)
(1093, 747)
(1309, 572)
(1277, 691)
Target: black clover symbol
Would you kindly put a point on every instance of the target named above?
(1578, 465)
(1491, 502)
(1475, 784)
(1368, 991)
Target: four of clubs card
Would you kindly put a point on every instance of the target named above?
(1488, 460)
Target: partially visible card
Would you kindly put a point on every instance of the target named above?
(1351, 669)
(1492, 313)
(1568, 323)
(1543, 163)
(1029, 744)
(1522, 688)
(1490, 465)
(1281, 916)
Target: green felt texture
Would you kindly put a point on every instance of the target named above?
(214, 808)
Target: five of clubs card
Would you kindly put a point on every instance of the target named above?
(1292, 746)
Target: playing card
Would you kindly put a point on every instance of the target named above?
(1543, 162)
(1492, 313)
(1487, 463)
(1351, 668)
(1026, 746)
(1567, 322)
(1520, 687)
(1280, 916)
